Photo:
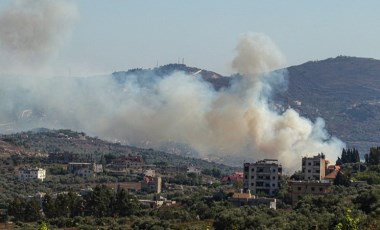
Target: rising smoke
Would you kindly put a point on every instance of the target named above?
(31, 33)
(179, 108)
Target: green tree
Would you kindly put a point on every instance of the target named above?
(125, 204)
(373, 158)
(342, 179)
(17, 208)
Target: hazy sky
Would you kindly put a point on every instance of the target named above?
(113, 35)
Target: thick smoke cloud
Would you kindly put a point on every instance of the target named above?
(31, 33)
(151, 110)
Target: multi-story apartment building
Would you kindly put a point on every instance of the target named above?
(301, 188)
(314, 168)
(128, 163)
(32, 173)
(262, 176)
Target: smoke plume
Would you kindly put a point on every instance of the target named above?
(235, 121)
(31, 33)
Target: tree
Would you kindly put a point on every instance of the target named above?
(99, 201)
(17, 208)
(43, 226)
(342, 179)
(373, 158)
(32, 211)
(125, 204)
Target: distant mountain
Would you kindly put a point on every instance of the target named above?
(345, 91)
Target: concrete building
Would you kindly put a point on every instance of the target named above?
(241, 199)
(301, 188)
(262, 176)
(314, 168)
(236, 177)
(85, 170)
(128, 164)
(32, 174)
(151, 184)
(193, 169)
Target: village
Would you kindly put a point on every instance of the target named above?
(258, 183)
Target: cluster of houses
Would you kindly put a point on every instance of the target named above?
(261, 178)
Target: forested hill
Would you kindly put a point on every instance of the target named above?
(45, 142)
(345, 91)
(217, 80)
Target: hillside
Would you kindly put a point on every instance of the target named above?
(47, 143)
(345, 91)
(217, 80)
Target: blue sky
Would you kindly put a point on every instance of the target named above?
(120, 34)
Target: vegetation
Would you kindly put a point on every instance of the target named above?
(197, 206)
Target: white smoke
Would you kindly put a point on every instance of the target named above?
(236, 121)
(31, 33)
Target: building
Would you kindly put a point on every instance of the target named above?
(32, 174)
(85, 170)
(241, 199)
(236, 177)
(151, 184)
(301, 188)
(128, 164)
(262, 177)
(193, 169)
(314, 168)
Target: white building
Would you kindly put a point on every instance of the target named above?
(262, 176)
(32, 174)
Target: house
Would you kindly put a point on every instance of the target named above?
(236, 177)
(192, 169)
(262, 176)
(241, 199)
(32, 174)
(151, 184)
(332, 171)
(128, 164)
(314, 168)
(301, 188)
(85, 170)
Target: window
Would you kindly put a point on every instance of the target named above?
(252, 177)
(274, 178)
(321, 189)
(309, 163)
(299, 188)
(252, 184)
(309, 171)
(253, 169)
(273, 185)
(312, 189)
(274, 170)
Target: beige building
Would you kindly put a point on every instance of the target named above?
(314, 168)
(301, 188)
(262, 176)
(32, 174)
(241, 199)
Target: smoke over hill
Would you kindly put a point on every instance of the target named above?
(177, 107)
